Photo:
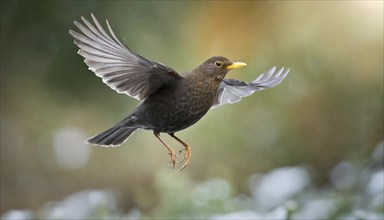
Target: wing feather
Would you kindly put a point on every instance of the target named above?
(120, 68)
(232, 90)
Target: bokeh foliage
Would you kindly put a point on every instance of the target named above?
(328, 109)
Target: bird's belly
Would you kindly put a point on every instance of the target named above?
(171, 115)
(174, 119)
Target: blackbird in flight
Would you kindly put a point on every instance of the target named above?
(170, 101)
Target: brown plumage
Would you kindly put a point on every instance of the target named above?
(171, 101)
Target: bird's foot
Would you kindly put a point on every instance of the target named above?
(187, 155)
(172, 157)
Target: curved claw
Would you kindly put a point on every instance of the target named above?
(187, 156)
(173, 157)
(171, 152)
(187, 149)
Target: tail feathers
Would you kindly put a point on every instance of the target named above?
(114, 136)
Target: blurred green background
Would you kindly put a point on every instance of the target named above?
(328, 109)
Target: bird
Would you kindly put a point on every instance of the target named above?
(170, 101)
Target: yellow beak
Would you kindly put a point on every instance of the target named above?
(236, 65)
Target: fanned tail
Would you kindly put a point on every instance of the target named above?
(112, 137)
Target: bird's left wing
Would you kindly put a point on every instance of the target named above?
(232, 90)
(119, 67)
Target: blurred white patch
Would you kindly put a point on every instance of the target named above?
(133, 214)
(316, 209)
(276, 214)
(69, 148)
(280, 185)
(242, 200)
(82, 205)
(17, 215)
(378, 153)
(214, 189)
(247, 214)
(344, 175)
(364, 214)
(376, 183)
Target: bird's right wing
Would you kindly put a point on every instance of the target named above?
(232, 90)
(121, 69)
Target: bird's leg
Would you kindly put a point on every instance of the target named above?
(187, 149)
(171, 152)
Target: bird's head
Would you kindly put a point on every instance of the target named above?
(217, 67)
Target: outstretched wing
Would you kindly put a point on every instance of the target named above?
(232, 90)
(121, 69)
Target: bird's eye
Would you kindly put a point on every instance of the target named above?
(218, 63)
